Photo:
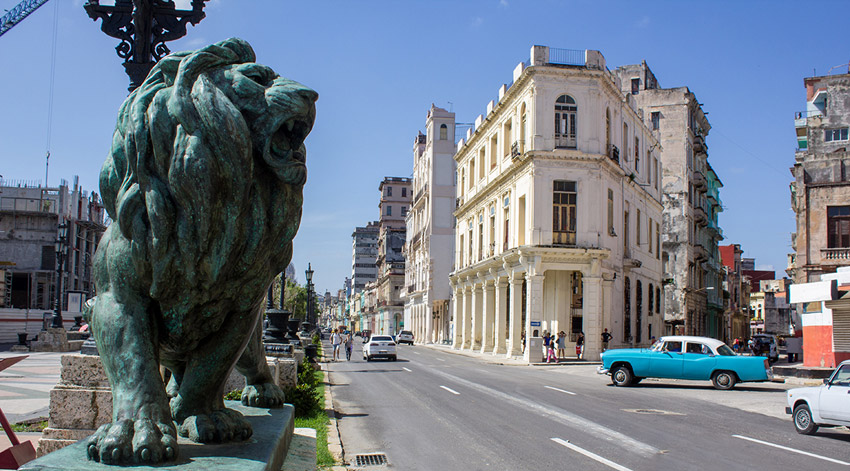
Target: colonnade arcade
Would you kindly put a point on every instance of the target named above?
(530, 290)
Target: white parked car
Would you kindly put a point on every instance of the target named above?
(379, 346)
(827, 405)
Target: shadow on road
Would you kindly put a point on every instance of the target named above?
(699, 386)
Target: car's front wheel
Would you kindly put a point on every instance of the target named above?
(803, 420)
(622, 376)
(724, 380)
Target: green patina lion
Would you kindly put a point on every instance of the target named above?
(204, 185)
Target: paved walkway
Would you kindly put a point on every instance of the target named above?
(25, 387)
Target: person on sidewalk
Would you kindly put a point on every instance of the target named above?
(606, 337)
(580, 346)
(562, 344)
(348, 343)
(547, 341)
(336, 340)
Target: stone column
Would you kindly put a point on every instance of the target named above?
(467, 316)
(457, 318)
(533, 310)
(477, 315)
(489, 311)
(592, 312)
(516, 327)
(428, 313)
(501, 305)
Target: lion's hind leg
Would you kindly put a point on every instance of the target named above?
(141, 430)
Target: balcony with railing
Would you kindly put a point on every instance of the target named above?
(567, 56)
(421, 192)
(614, 153)
(835, 256)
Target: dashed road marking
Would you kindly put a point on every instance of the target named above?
(560, 390)
(590, 455)
(440, 359)
(793, 450)
(405, 369)
(451, 390)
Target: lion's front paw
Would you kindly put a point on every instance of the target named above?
(219, 426)
(133, 441)
(267, 395)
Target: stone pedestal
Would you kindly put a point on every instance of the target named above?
(265, 450)
(284, 371)
(54, 340)
(79, 404)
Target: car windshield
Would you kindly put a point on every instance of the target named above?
(725, 351)
(406, 332)
(381, 338)
(842, 376)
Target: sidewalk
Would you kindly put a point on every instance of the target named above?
(502, 359)
(25, 387)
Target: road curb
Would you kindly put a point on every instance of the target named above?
(334, 440)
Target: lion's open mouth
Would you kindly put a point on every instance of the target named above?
(287, 140)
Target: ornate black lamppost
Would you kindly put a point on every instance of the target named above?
(61, 245)
(143, 26)
(310, 316)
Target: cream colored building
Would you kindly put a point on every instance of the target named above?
(558, 212)
(430, 230)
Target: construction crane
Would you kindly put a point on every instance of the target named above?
(18, 13)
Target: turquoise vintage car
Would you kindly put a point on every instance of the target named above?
(684, 357)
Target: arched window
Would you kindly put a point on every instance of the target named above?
(565, 122)
(638, 310)
(651, 293)
(444, 132)
(627, 310)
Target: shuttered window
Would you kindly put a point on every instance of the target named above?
(841, 330)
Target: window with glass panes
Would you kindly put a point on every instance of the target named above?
(564, 198)
(835, 135)
(838, 226)
(565, 121)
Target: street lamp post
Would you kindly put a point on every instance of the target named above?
(309, 317)
(61, 245)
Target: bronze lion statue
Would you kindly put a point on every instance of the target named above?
(204, 186)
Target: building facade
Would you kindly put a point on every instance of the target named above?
(820, 192)
(558, 213)
(690, 232)
(29, 221)
(364, 255)
(737, 288)
(430, 229)
(393, 206)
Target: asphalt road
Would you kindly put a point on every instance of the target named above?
(434, 409)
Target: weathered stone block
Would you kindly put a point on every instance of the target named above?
(83, 370)
(79, 408)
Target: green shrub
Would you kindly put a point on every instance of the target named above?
(235, 395)
(317, 339)
(305, 399)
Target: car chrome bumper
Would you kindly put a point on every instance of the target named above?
(601, 371)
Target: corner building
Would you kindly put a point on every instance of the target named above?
(558, 213)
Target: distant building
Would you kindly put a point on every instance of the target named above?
(394, 205)
(364, 254)
(558, 213)
(29, 220)
(755, 277)
(737, 288)
(820, 192)
(690, 231)
(430, 230)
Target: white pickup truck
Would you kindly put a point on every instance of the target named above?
(827, 405)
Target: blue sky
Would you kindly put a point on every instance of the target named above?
(378, 66)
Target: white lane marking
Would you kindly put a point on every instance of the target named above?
(793, 450)
(587, 426)
(451, 391)
(440, 359)
(560, 390)
(588, 454)
(415, 353)
(405, 369)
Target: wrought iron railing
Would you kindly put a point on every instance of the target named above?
(566, 56)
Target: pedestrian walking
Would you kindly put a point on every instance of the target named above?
(562, 344)
(347, 343)
(580, 346)
(547, 342)
(336, 340)
(606, 337)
